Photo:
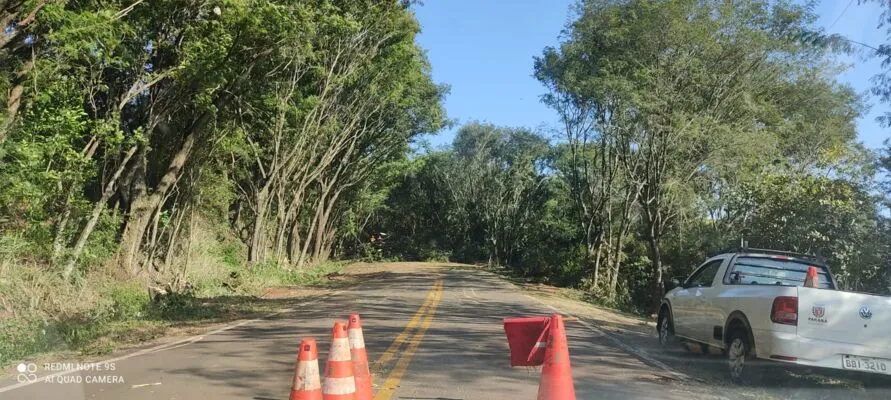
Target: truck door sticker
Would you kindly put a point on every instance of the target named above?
(818, 312)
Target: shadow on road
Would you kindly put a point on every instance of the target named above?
(463, 355)
(463, 351)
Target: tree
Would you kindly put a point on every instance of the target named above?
(495, 175)
(592, 161)
(137, 109)
(345, 112)
(882, 80)
(686, 88)
(821, 215)
(884, 164)
(481, 200)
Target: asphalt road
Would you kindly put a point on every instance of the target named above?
(432, 333)
(454, 348)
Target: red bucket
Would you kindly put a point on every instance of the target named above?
(527, 338)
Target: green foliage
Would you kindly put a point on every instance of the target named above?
(103, 242)
(264, 276)
(882, 80)
(482, 197)
(20, 337)
(230, 255)
(833, 217)
(683, 105)
(435, 255)
(884, 163)
(122, 301)
(181, 306)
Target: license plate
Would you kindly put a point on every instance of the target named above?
(866, 364)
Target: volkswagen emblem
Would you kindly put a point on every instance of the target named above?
(865, 313)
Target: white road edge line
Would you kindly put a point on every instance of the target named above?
(643, 355)
(159, 348)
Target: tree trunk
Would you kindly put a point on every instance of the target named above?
(327, 245)
(656, 263)
(257, 242)
(59, 240)
(326, 229)
(292, 225)
(15, 99)
(141, 209)
(321, 224)
(171, 246)
(294, 244)
(596, 274)
(144, 205)
(606, 265)
(301, 258)
(281, 232)
(94, 216)
(281, 229)
(155, 222)
(178, 280)
(614, 279)
(616, 262)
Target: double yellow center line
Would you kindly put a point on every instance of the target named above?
(418, 325)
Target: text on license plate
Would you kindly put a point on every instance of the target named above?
(866, 364)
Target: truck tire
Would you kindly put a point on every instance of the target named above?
(744, 368)
(666, 328)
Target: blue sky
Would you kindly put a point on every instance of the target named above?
(483, 49)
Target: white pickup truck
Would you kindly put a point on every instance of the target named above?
(752, 305)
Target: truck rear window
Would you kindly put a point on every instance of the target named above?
(775, 271)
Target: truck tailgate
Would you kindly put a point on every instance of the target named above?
(845, 317)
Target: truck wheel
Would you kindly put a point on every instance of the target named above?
(743, 366)
(666, 328)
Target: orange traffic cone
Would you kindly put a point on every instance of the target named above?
(811, 279)
(307, 385)
(339, 381)
(360, 359)
(556, 375)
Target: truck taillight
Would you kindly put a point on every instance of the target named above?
(785, 310)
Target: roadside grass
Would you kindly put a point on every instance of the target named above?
(41, 315)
